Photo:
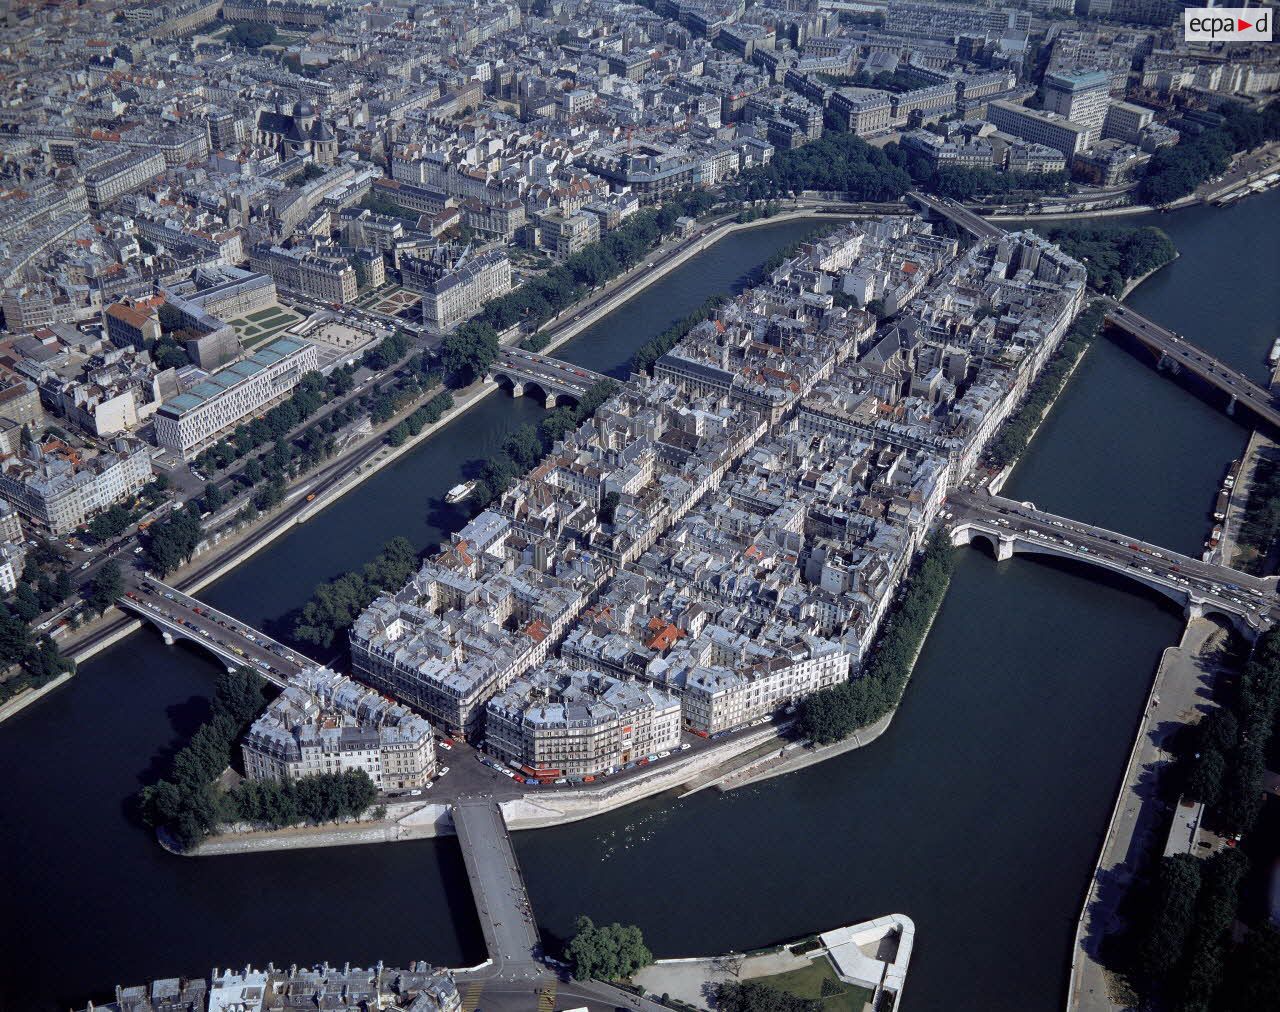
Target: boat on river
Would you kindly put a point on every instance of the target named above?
(459, 492)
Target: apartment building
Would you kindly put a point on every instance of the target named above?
(328, 278)
(1039, 127)
(458, 294)
(865, 112)
(717, 697)
(323, 722)
(563, 722)
(122, 175)
(469, 622)
(565, 235)
(1081, 97)
(60, 487)
(196, 418)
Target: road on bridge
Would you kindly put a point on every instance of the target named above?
(1223, 377)
(1249, 596)
(231, 640)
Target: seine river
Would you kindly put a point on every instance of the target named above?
(978, 814)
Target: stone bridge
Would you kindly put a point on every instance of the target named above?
(1249, 603)
(555, 381)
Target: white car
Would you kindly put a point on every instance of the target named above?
(442, 771)
(444, 745)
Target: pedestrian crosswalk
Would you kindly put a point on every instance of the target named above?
(471, 996)
(547, 998)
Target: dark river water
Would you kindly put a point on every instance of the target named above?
(978, 814)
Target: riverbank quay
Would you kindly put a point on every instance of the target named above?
(797, 756)
(873, 956)
(1239, 506)
(429, 818)
(1180, 694)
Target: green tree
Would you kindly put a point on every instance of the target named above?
(1205, 782)
(614, 952)
(754, 996)
(1171, 916)
(108, 584)
(468, 352)
(25, 602)
(1215, 911)
(1253, 978)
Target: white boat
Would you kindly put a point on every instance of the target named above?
(459, 492)
(1274, 357)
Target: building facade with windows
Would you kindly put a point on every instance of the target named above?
(458, 294)
(563, 722)
(59, 488)
(195, 418)
(323, 722)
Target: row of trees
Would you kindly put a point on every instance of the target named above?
(185, 806)
(836, 161)
(1226, 755)
(753, 996)
(428, 414)
(654, 348)
(1114, 256)
(1180, 951)
(1008, 444)
(1176, 171)
(335, 605)
(1261, 526)
(322, 797)
(39, 657)
(307, 398)
(529, 444)
(469, 350)
(1185, 934)
(831, 714)
(610, 952)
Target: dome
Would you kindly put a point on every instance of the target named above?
(303, 110)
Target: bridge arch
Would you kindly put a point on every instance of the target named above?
(505, 381)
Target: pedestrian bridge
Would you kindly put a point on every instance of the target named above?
(179, 616)
(502, 901)
(1249, 603)
(555, 381)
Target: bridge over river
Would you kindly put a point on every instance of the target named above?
(236, 644)
(521, 370)
(1248, 602)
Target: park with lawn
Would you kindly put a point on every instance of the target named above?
(259, 327)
